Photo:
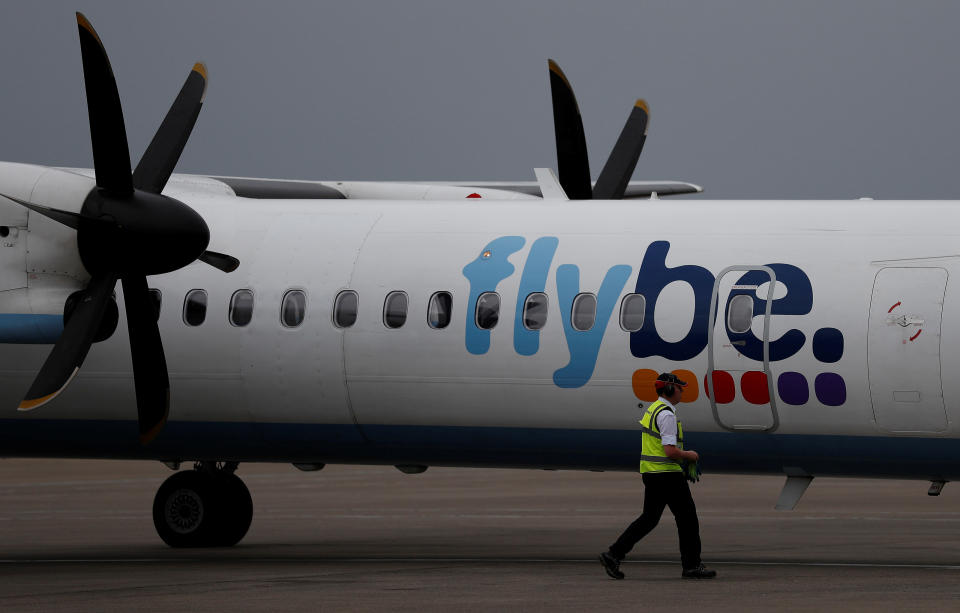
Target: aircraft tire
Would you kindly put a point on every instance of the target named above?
(234, 510)
(185, 510)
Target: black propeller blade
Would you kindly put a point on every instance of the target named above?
(573, 165)
(65, 217)
(146, 349)
(127, 229)
(161, 156)
(226, 263)
(71, 348)
(616, 173)
(108, 134)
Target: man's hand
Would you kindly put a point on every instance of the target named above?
(679, 455)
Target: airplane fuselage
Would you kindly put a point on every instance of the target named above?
(845, 367)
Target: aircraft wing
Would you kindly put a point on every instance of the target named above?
(287, 189)
(284, 189)
(635, 189)
(425, 190)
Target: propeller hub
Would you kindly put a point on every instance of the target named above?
(143, 233)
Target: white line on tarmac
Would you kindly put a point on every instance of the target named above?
(434, 560)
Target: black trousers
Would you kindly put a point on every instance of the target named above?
(665, 490)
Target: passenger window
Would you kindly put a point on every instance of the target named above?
(293, 308)
(195, 307)
(632, 310)
(535, 311)
(584, 312)
(740, 313)
(241, 308)
(440, 310)
(395, 309)
(156, 298)
(488, 310)
(345, 309)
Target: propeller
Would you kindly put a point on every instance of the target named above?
(127, 230)
(573, 164)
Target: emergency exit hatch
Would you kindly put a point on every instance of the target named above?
(904, 349)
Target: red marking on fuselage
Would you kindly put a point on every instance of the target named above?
(474, 195)
(917, 334)
(890, 310)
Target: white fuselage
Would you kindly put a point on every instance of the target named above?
(847, 382)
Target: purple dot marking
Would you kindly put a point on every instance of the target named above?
(828, 345)
(831, 389)
(793, 388)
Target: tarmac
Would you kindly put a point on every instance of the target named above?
(78, 536)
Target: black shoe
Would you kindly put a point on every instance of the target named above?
(700, 572)
(611, 565)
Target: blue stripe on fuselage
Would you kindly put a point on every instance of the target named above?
(25, 328)
(903, 457)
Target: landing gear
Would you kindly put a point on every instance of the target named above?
(208, 506)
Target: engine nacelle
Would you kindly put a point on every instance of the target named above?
(39, 262)
(37, 244)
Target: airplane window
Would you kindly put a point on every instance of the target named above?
(345, 309)
(156, 298)
(740, 313)
(241, 307)
(584, 311)
(440, 310)
(395, 309)
(535, 311)
(488, 310)
(293, 308)
(632, 310)
(195, 307)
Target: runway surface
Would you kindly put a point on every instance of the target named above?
(78, 536)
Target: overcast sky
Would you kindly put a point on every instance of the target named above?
(751, 99)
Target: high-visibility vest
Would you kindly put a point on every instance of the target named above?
(653, 458)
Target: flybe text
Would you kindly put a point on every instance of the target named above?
(492, 266)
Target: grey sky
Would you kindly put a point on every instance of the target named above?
(751, 99)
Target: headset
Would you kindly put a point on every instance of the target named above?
(667, 383)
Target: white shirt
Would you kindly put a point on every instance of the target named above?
(667, 424)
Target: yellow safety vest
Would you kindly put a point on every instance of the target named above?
(653, 458)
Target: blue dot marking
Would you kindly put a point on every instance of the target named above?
(828, 345)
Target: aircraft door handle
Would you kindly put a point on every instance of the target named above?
(905, 320)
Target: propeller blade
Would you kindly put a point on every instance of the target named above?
(111, 155)
(164, 151)
(616, 173)
(226, 263)
(149, 365)
(573, 165)
(71, 348)
(67, 218)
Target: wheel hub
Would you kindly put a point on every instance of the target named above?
(184, 511)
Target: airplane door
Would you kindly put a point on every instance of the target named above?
(739, 382)
(904, 349)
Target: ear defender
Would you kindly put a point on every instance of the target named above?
(666, 384)
(666, 388)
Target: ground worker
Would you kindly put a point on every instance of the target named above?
(666, 466)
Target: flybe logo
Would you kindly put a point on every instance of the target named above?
(492, 266)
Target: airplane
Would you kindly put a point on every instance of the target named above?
(508, 330)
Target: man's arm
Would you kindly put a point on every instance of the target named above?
(674, 453)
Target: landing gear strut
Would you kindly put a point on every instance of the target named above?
(208, 506)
